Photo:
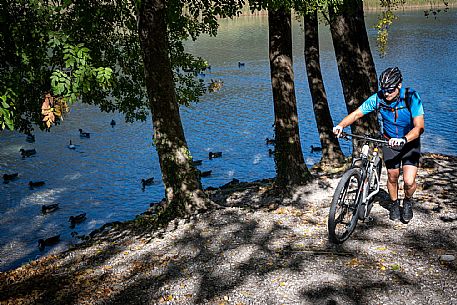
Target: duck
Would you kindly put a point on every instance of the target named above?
(36, 184)
(45, 209)
(30, 138)
(197, 162)
(241, 64)
(146, 182)
(231, 183)
(113, 122)
(9, 177)
(27, 152)
(215, 154)
(205, 173)
(271, 152)
(315, 148)
(71, 145)
(74, 220)
(270, 141)
(83, 134)
(42, 243)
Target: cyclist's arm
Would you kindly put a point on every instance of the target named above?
(368, 106)
(418, 129)
(351, 118)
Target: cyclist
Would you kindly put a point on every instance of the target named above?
(402, 121)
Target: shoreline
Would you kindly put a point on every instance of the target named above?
(257, 247)
(215, 193)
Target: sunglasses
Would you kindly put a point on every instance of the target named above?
(389, 90)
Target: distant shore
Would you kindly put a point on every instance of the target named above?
(373, 6)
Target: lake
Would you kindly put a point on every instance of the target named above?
(102, 176)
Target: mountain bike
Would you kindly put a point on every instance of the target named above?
(354, 194)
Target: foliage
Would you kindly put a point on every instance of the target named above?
(7, 109)
(39, 60)
(385, 20)
(101, 64)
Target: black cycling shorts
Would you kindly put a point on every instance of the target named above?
(409, 154)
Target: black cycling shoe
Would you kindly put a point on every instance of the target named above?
(394, 211)
(407, 209)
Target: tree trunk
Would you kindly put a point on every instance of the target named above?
(182, 185)
(290, 165)
(331, 150)
(355, 62)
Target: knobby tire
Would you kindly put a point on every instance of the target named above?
(343, 210)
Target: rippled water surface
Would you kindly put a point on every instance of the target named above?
(101, 177)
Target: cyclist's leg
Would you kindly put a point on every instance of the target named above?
(410, 161)
(392, 160)
(392, 182)
(409, 178)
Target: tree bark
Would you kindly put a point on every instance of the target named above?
(290, 165)
(331, 150)
(355, 61)
(182, 184)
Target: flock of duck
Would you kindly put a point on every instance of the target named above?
(74, 220)
(50, 208)
(271, 152)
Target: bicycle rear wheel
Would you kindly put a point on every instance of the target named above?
(342, 217)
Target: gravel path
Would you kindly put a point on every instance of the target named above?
(263, 249)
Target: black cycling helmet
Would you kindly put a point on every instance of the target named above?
(390, 78)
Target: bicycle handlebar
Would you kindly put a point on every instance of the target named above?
(344, 135)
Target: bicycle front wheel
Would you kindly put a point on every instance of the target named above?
(342, 217)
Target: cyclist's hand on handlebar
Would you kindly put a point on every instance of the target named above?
(338, 130)
(397, 141)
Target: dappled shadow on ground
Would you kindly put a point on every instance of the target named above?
(260, 248)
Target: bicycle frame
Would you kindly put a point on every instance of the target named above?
(370, 160)
(353, 197)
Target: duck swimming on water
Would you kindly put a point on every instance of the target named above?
(27, 152)
(71, 145)
(146, 182)
(36, 184)
(45, 209)
(83, 134)
(9, 177)
(197, 162)
(42, 243)
(205, 174)
(315, 148)
(215, 154)
(74, 220)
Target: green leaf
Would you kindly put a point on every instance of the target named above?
(5, 105)
(9, 123)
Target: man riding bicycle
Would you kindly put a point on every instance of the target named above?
(402, 124)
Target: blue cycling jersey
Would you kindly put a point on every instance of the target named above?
(396, 117)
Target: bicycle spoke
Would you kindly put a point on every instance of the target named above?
(342, 217)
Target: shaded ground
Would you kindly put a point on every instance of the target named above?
(262, 249)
